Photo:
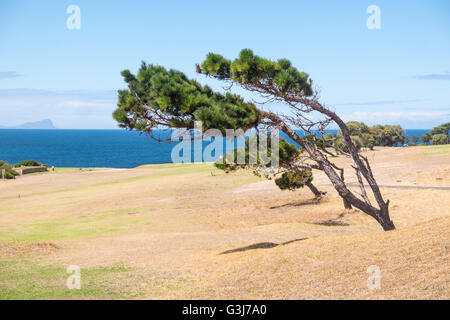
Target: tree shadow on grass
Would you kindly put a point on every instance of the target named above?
(334, 222)
(261, 245)
(298, 203)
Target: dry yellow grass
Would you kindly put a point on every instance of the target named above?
(168, 225)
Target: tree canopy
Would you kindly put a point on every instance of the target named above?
(378, 135)
(160, 98)
(438, 135)
(388, 135)
(356, 128)
(442, 129)
(249, 69)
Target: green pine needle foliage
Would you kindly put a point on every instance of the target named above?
(287, 153)
(180, 101)
(250, 69)
(292, 180)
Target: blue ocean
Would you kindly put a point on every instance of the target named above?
(91, 148)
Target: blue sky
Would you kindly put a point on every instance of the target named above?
(398, 74)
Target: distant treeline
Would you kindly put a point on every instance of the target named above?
(388, 135)
(439, 135)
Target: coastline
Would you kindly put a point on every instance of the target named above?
(89, 148)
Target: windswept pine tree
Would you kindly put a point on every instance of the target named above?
(157, 97)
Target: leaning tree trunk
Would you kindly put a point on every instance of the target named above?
(381, 215)
(347, 205)
(314, 190)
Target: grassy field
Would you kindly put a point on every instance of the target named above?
(191, 231)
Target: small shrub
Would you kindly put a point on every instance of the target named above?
(28, 163)
(9, 172)
(292, 180)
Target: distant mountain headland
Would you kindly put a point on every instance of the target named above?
(43, 124)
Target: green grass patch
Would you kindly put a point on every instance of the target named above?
(440, 150)
(87, 225)
(24, 279)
